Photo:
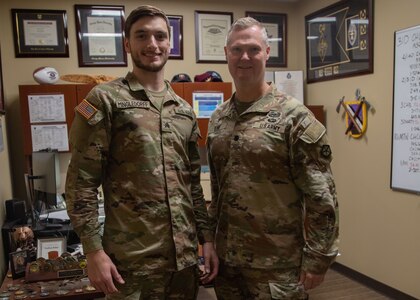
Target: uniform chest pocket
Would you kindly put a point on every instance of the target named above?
(219, 127)
(135, 125)
(179, 126)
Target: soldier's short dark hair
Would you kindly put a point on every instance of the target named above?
(141, 12)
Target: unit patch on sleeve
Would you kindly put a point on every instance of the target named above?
(325, 151)
(86, 109)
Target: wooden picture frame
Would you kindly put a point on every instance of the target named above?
(339, 41)
(211, 28)
(177, 46)
(276, 26)
(51, 248)
(18, 261)
(100, 35)
(40, 33)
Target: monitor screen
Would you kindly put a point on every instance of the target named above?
(204, 103)
(46, 180)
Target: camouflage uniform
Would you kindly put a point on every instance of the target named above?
(267, 166)
(148, 163)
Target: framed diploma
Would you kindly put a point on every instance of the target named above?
(100, 35)
(275, 24)
(211, 29)
(339, 41)
(40, 33)
(177, 47)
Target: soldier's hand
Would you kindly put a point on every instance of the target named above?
(310, 280)
(102, 272)
(211, 263)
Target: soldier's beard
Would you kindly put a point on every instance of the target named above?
(150, 68)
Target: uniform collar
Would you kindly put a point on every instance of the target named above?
(136, 86)
(264, 105)
(133, 83)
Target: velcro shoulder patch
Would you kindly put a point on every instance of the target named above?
(132, 104)
(184, 111)
(96, 118)
(86, 109)
(313, 131)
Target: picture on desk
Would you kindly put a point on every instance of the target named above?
(51, 248)
(18, 261)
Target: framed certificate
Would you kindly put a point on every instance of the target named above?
(211, 29)
(51, 248)
(339, 41)
(177, 47)
(275, 24)
(100, 36)
(40, 33)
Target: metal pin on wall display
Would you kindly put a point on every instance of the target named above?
(355, 114)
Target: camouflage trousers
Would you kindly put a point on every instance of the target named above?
(169, 285)
(233, 283)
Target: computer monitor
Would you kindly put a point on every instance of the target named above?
(205, 103)
(46, 180)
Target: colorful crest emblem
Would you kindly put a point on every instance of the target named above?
(356, 117)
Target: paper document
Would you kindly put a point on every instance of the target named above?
(291, 83)
(50, 136)
(46, 108)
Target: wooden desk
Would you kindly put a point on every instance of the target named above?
(35, 287)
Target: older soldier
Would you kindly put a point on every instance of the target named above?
(270, 165)
(138, 139)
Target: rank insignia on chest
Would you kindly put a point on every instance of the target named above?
(86, 109)
(166, 126)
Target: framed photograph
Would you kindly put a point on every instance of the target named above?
(100, 35)
(339, 41)
(40, 33)
(275, 24)
(177, 46)
(211, 29)
(51, 248)
(18, 261)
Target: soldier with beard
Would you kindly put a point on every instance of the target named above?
(138, 139)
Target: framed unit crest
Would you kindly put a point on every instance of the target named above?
(339, 40)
